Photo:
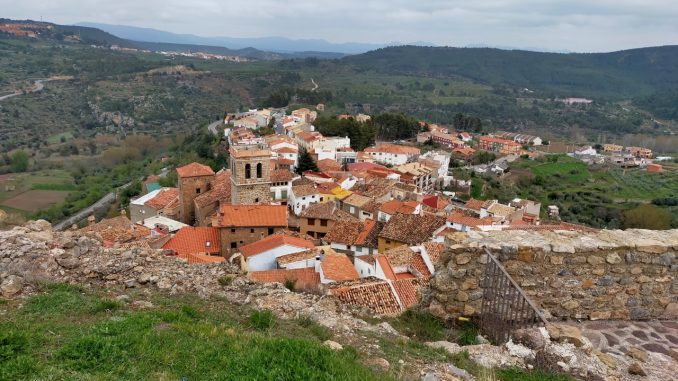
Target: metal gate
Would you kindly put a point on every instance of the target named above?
(505, 306)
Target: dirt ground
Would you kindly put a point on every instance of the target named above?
(35, 200)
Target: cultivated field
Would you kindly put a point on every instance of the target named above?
(35, 200)
(27, 193)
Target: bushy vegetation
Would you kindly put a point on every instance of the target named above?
(361, 134)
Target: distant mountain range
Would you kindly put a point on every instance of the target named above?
(271, 44)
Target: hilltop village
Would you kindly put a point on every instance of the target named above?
(306, 210)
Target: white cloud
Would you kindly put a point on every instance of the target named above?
(577, 25)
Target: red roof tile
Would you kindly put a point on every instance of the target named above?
(194, 170)
(253, 215)
(194, 240)
(409, 291)
(369, 292)
(462, 219)
(274, 241)
(385, 267)
(338, 267)
(201, 259)
(164, 198)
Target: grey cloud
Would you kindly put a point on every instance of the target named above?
(577, 25)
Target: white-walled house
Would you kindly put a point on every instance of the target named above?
(392, 154)
(262, 255)
(301, 196)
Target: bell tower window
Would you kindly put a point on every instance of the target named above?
(248, 171)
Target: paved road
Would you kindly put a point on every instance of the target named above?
(315, 85)
(103, 202)
(38, 86)
(213, 127)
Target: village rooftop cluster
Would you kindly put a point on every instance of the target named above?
(367, 227)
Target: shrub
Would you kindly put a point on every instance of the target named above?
(467, 334)
(262, 320)
(226, 279)
(290, 284)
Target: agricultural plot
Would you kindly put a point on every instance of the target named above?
(31, 192)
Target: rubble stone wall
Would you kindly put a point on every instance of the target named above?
(598, 275)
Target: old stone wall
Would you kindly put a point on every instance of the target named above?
(189, 189)
(597, 275)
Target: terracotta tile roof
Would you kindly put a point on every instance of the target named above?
(201, 259)
(357, 200)
(410, 291)
(274, 241)
(474, 204)
(304, 190)
(419, 264)
(400, 256)
(394, 149)
(396, 206)
(302, 181)
(303, 277)
(220, 192)
(411, 228)
(363, 166)
(369, 292)
(434, 250)
(283, 161)
(296, 257)
(286, 150)
(194, 240)
(405, 275)
(501, 210)
(281, 175)
(375, 188)
(194, 170)
(346, 232)
(385, 267)
(252, 215)
(117, 230)
(327, 211)
(328, 165)
(338, 267)
(369, 259)
(458, 217)
(164, 198)
(371, 206)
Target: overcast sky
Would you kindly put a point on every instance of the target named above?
(574, 25)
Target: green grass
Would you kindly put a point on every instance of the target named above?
(420, 325)
(56, 138)
(70, 333)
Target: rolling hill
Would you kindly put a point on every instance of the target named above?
(621, 74)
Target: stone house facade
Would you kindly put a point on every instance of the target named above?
(194, 179)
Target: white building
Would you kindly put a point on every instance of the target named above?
(262, 255)
(301, 196)
(392, 154)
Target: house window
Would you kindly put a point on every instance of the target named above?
(311, 221)
(303, 198)
(323, 222)
(234, 245)
(251, 230)
(283, 194)
(248, 171)
(259, 170)
(321, 199)
(232, 230)
(270, 231)
(273, 195)
(388, 242)
(256, 200)
(348, 247)
(352, 209)
(197, 190)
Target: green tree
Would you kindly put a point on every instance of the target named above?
(647, 217)
(306, 162)
(19, 161)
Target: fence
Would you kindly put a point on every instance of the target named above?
(505, 307)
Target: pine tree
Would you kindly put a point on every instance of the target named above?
(306, 162)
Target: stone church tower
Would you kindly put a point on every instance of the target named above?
(250, 174)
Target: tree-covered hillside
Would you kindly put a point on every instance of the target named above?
(610, 75)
